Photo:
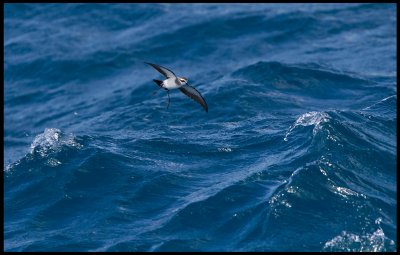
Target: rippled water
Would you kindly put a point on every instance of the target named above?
(296, 153)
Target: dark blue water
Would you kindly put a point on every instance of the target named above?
(296, 153)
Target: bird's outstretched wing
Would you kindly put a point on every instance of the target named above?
(164, 71)
(195, 95)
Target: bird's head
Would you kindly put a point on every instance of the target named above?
(183, 80)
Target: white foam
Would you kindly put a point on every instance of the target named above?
(222, 149)
(381, 101)
(308, 119)
(53, 162)
(51, 140)
(345, 192)
(347, 241)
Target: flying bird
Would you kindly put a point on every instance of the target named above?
(174, 82)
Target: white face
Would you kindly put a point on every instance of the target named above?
(183, 80)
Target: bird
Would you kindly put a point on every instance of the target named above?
(174, 82)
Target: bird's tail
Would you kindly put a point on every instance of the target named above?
(159, 83)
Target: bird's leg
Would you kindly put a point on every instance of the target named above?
(156, 91)
(168, 99)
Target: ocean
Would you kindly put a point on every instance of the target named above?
(296, 153)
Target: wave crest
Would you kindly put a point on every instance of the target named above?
(52, 140)
(308, 119)
(347, 241)
(47, 146)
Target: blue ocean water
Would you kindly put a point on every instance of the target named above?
(296, 153)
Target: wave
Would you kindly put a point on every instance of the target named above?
(375, 242)
(50, 143)
(311, 81)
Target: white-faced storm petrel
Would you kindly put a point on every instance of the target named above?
(174, 82)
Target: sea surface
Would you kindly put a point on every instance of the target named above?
(296, 153)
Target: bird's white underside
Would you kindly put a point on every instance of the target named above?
(170, 83)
